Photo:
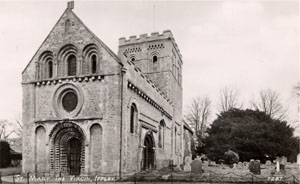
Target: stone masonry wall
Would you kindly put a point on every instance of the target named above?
(101, 95)
(164, 75)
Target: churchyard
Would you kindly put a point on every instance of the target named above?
(243, 172)
(204, 172)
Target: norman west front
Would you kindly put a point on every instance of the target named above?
(87, 109)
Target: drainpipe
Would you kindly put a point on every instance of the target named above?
(123, 71)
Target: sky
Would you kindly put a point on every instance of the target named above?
(240, 44)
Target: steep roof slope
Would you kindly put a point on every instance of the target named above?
(57, 36)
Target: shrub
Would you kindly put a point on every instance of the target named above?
(231, 157)
(5, 155)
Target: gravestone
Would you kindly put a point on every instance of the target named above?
(245, 165)
(283, 160)
(165, 177)
(282, 163)
(212, 163)
(234, 166)
(268, 163)
(254, 166)
(187, 164)
(240, 165)
(196, 167)
(177, 168)
(221, 161)
(298, 158)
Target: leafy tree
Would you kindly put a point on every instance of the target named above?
(5, 155)
(251, 134)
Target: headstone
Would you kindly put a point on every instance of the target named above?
(298, 158)
(234, 166)
(187, 164)
(177, 168)
(221, 161)
(196, 167)
(254, 166)
(240, 165)
(213, 163)
(245, 165)
(282, 163)
(165, 177)
(283, 160)
(268, 163)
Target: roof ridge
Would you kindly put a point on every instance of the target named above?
(102, 43)
(44, 40)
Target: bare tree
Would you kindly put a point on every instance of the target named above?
(198, 115)
(270, 103)
(18, 125)
(4, 131)
(296, 90)
(229, 99)
(296, 94)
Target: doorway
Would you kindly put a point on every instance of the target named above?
(148, 153)
(74, 155)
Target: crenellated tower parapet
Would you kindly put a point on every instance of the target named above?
(155, 36)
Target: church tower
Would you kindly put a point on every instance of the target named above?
(159, 59)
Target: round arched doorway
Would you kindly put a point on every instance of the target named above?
(148, 152)
(74, 155)
(67, 149)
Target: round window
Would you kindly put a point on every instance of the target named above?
(69, 101)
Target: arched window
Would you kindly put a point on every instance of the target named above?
(71, 65)
(161, 134)
(50, 69)
(45, 65)
(154, 60)
(132, 59)
(94, 63)
(133, 117)
(67, 25)
(91, 59)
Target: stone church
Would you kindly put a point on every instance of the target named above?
(87, 109)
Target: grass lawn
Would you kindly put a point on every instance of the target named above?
(10, 170)
(221, 174)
